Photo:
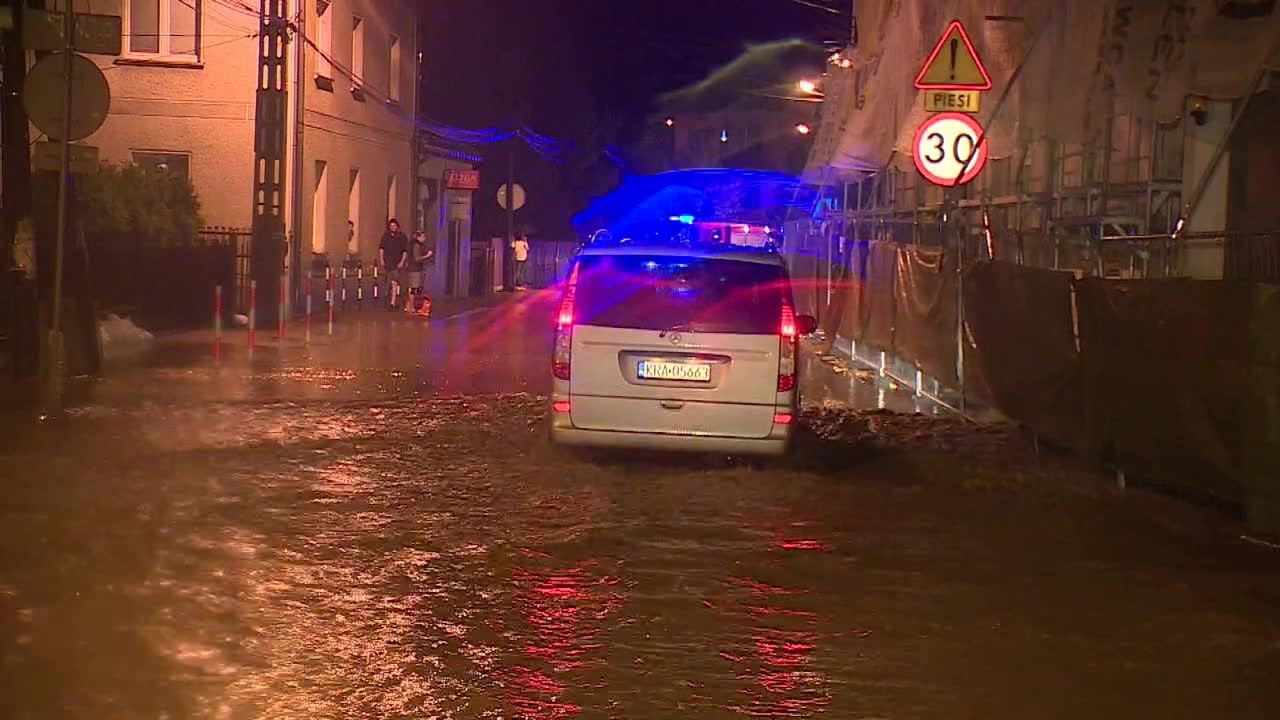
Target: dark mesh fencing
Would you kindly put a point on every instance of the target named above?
(1020, 348)
(1175, 381)
(925, 304)
(1165, 366)
(162, 288)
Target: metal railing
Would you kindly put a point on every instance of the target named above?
(242, 240)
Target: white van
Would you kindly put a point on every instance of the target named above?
(678, 348)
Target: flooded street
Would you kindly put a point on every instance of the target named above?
(374, 526)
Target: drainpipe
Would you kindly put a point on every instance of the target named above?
(415, 194)
(300, 73)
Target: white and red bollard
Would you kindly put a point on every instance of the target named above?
(310, 297)
(360, 287)
(343, 292)
(328, 285)
(330, 293)
(375, 284)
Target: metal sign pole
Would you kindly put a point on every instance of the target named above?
(54, 358)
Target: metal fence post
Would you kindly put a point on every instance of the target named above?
(217, 322)
(253, 310)
(284, 279)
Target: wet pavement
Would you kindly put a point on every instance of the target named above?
(372, 525)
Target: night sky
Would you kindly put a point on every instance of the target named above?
(583, 72)
(489, 61)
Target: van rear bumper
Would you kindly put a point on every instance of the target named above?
(776, 444)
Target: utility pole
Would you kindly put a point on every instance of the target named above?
(54, 365)
(508, 264)
(266, 256)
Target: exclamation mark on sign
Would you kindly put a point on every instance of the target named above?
(955, 46)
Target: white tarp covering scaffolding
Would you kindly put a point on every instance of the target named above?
(1154, 53)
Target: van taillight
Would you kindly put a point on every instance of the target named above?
(787, 327)
(788, 347)
(563, 352)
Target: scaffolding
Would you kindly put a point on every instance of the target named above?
(1057, 205)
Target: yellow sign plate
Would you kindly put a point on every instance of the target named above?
(966, 101)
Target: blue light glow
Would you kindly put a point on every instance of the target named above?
(709, 194)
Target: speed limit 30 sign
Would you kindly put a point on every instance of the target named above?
(946, 149)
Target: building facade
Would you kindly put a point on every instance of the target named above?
(183, 99)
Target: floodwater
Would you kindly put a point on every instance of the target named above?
(372, 525)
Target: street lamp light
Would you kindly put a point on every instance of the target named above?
(841, 60)
(803, 128)
(670, 122)
(808, 87)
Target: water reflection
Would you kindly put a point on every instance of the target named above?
(564, 614)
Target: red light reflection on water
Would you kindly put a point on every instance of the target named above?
(777, 663)
(563, 610)
(816, 545)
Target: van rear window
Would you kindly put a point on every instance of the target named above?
(677, 293)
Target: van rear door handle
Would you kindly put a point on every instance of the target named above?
(671, 404)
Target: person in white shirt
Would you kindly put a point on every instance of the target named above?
(521, 247)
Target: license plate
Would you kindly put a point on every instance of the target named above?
(682, 372)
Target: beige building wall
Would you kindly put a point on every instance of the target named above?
(370, 132)
(201, 107)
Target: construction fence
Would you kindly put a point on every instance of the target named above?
(1170, 380)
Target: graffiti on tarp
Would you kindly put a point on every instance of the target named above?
(1170, 46)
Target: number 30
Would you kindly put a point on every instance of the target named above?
(961, 157)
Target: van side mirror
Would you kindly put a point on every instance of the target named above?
(806, 324)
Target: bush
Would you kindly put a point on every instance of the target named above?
(152, 207)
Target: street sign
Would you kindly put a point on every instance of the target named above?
(953, 64)
(952, 100)
(517, 196)
(948, 149)
(460, 207)
(462, 179)
(44, 96)
(94, 34)
(48, 156)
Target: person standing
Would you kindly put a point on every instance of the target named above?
(353, 247)
(520, 245)
(393, 256)
(422, 260)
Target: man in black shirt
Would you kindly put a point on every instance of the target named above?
(393, 256)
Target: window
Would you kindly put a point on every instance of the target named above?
(163, 28)
(393, 82)
(393, 189)
(324, 39)
(174, 163)
(353, 210)
(357, 51)
(319, 209)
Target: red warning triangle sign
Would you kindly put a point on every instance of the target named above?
(953, 64)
